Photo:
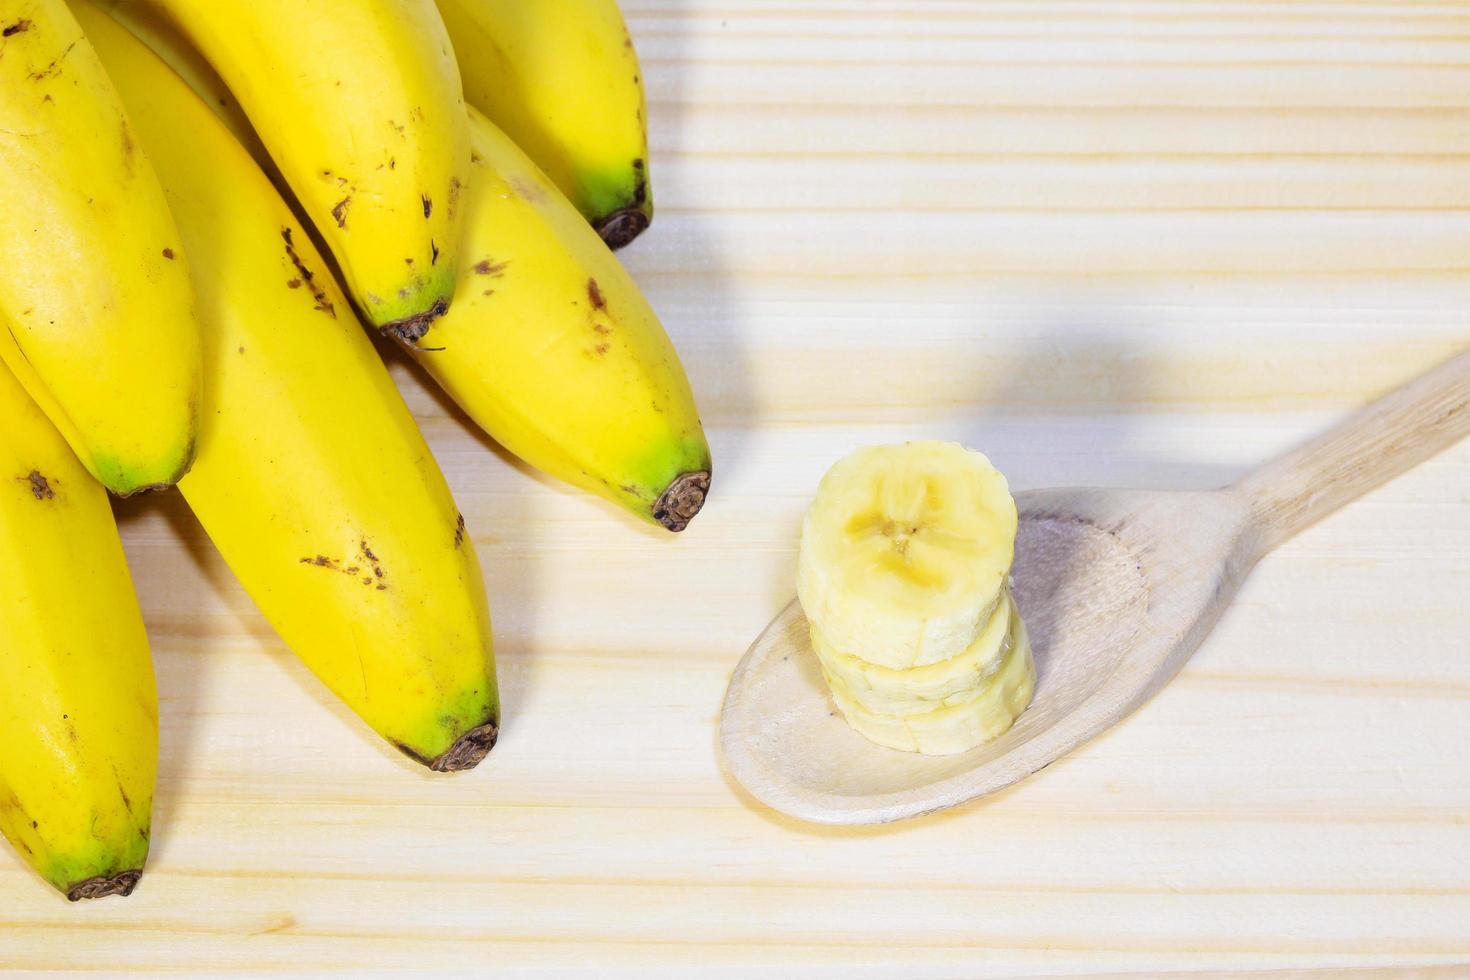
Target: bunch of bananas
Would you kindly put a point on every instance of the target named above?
(904, 577)
(204, 204)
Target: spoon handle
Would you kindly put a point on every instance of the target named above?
(1389, 437)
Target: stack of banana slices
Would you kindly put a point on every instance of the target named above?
(904, 578)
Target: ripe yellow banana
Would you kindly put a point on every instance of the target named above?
(95, 294)
(550, 346)
(553, 350)
(359, 103)
(78, 710)
(905, 551)
(562, 79)
(312, 479)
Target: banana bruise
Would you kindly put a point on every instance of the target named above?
(312, 479)
(95, 301)
(903, 575)
(563, 80)
(78, 708)
(359, 103)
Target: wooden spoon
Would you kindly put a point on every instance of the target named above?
(1118, 589)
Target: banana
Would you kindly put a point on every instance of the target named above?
(78, 709)
(562, 79)
(921, 689)
(905, 551)
(549, 347)
(903, 575)
(96, 295)
(154, 28)
(312, 479)
(960, 725)
(552, 349)
(359, 103)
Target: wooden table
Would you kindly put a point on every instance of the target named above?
(1139, 243)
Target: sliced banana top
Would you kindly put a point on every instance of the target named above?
(905, 551)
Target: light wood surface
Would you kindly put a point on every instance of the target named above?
(1122, 244)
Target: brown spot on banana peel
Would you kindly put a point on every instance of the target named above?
(352, 571)
(682, 500)
(168, 253)
(40, 486)
(127, 801)
(594, 294)
(306, 276)
(489, 267)
(19, 27)
(428, 205)
(54, 68)
(339, 211)
(459, 531)
(103, 886)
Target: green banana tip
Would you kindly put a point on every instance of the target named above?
(124, 485)
(103, 886)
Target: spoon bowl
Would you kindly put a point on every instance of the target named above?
(1118, 588)
(1103, 580)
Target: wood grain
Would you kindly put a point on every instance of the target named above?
(1149, 243)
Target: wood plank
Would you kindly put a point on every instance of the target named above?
(1147, 243)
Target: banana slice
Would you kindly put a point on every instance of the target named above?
(905, 551)
(922, 689)
(954, 728)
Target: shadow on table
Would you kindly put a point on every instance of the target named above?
(181, 664)
(681, 261)
(1072, 413)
